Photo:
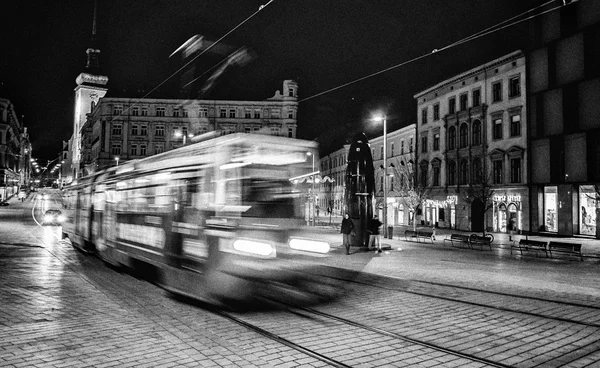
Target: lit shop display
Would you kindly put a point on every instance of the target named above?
(587, 210)
(507, 213)
(550, 208)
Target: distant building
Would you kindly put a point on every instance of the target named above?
(564, 114)
(15, 151)
(472, 133)
(331, 192)
(120, 129)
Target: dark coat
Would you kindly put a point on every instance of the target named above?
(347, 226)
(374, 225)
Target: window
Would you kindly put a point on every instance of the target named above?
(423, 173)
(410, 147)
(117, 109)
(257, 114)
(275, 113)
(176, 112)
(514, 87)
(463, 172)
(290, 92)
(135, 111)
(476, 97)
(476, 171)
(381, 152)
(135, 129)
(515, 125)
(497, 171)
(291, 132)
(392, 150)
(424, 144)
(497, 91)
(115, 149)
(436, 112)
(452, 138)
(159, 148)
(476, 139)
(117, 129)
(159, 131)
(424, 116)
(451, 105)
(248, 114)
(274, 131)
(144, 111)
(134, 150)
(436, 175)
(291, 114)
(223, 113)
(142, 150)
(515, 170)
(203, 112)
(185, 113)
(143, 129)
(463, 135)
(232, 113)
(451, 173)
(497, 131)
(436, 142)
(464, 101)
(402, 147)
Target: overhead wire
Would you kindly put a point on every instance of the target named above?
(485, 32)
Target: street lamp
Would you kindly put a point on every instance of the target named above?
(117, 159)
(384, 119)
(312, 194)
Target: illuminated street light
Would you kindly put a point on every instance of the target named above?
(117, 159)
(385, 174)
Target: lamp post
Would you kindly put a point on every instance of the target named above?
(312, 194)
(385, 174)
(117, 159)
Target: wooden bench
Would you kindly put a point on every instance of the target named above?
(526, 244)
(562, 247)
(425, 235)
(458, 239)
(410, 234)
(481, 241)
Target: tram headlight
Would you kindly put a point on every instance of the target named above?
(47, 218)
(254, 247)
(61, 218)
(309, 245)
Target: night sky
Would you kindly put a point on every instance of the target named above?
(322, 44)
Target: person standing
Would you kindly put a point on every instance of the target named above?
(374, 225)
(346, 230)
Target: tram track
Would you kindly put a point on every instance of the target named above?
(555, 308)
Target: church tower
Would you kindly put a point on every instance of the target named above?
(90, 88)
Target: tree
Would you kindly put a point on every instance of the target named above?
(413, 190)
(480, 189)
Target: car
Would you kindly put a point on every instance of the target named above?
(53, 217)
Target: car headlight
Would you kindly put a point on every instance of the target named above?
(253, 247)
(309, 245)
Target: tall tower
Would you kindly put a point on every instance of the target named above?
(90, 88)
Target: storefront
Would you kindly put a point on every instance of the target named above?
(440, 212)
(509, 209)
(587, 209)
(551, 209)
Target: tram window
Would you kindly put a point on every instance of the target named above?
(268, 199)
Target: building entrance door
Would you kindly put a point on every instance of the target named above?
(477, 215)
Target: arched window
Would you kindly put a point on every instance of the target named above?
(452, 138)
(476, 140)
(463, 171)
(477, 171)
(464, 135)
(451, 173)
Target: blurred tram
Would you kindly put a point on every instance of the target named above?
(220, 219)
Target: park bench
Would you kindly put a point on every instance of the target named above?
(562, 247)
(410, 234)
(526, 244)
(458, 239)
(481, 241)
(425, 235)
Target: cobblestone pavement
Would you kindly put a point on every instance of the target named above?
(61, 308)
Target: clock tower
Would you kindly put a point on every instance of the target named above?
(90, 88)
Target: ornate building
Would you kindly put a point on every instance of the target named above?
(15, 151)
(124, 128)
(472, 148)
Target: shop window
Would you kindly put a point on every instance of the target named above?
(550, 214)
(587, 209)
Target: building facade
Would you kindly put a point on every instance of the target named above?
(564, 90)
(400, 155)
(120, 129)
(331, 190)
(471, 142)
(15, 152)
